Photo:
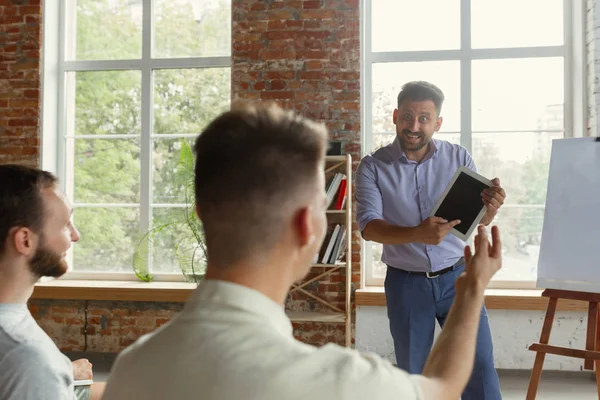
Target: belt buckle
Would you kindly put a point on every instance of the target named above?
(428, 274)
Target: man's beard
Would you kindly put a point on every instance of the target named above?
(408, 146)
(46, 262)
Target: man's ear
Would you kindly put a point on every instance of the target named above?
(395, 116)
(198, 212)
(304, 227)
(439, 123)
(24, 240)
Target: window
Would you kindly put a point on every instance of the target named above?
(503, 74)
(129, 81)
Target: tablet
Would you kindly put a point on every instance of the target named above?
(462, 200)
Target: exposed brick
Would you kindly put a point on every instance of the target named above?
(313, 64)
(276, 95)
(311, 4)
(303, 55)
(277, 55)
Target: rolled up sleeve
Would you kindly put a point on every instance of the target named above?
(369, 203)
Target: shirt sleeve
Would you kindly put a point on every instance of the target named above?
(368, 376)
(369, 202)
(32, 376)
(468, 161)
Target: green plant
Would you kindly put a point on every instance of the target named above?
(189, 248)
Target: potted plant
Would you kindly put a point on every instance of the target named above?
(185, 227)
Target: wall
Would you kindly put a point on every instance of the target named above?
(20, 38)
(301, 54)
(304, 55)
(512, 333)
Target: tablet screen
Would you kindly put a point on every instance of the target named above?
(463, 202)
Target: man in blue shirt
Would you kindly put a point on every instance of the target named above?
(396, 188)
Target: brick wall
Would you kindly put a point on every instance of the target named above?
(305, 55)
(302, 54)
(99, 326)
(20, 38)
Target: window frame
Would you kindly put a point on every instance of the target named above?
(575, 90)
(56, 114)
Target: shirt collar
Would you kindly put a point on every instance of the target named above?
(242, 298)
(398, 154)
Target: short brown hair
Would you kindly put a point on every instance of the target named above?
(21, 202)
(252, 164)
(421, 91)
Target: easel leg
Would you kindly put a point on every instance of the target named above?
(536, 373)
(590, 343)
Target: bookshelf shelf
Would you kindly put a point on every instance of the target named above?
(341, 212)
(336, 265)
(338, 254)
(314, 316)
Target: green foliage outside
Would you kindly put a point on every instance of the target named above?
(109, 103)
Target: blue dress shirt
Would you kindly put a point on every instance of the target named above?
(403, 192)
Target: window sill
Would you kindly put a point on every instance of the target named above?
(495, 299)
(177, 292)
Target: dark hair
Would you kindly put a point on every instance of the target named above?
(21, 202)
(421, 91)
(252, 164)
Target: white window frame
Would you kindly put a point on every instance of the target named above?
(55, 113)
(575, 89)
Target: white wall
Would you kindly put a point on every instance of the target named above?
(513, 331)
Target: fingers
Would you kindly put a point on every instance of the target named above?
(482, 244)
(492, 203)
(496, 247)
(495, 191)
(439, 220)
(496, 181)
(453, 223)
(468, 254)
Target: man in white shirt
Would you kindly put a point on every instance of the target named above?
(35, 234)
(260, 193)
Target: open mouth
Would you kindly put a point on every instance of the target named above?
(412, 137)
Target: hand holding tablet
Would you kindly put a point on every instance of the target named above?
(463, 200)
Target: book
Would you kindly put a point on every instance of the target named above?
(83, 382)
(340, 201)
(330, 245)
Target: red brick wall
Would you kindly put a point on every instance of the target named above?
(302, 54)
(110, 326)
(305, 55)
(20, 40)
(99, 326)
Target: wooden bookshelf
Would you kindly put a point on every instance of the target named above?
(334, 313)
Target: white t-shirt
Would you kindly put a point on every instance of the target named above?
(231, 342)
(31, 366)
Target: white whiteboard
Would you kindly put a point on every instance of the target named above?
(570, 246)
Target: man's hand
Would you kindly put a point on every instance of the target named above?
(481, 266)
(82, 369)
(493, 197)
(434, 229)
